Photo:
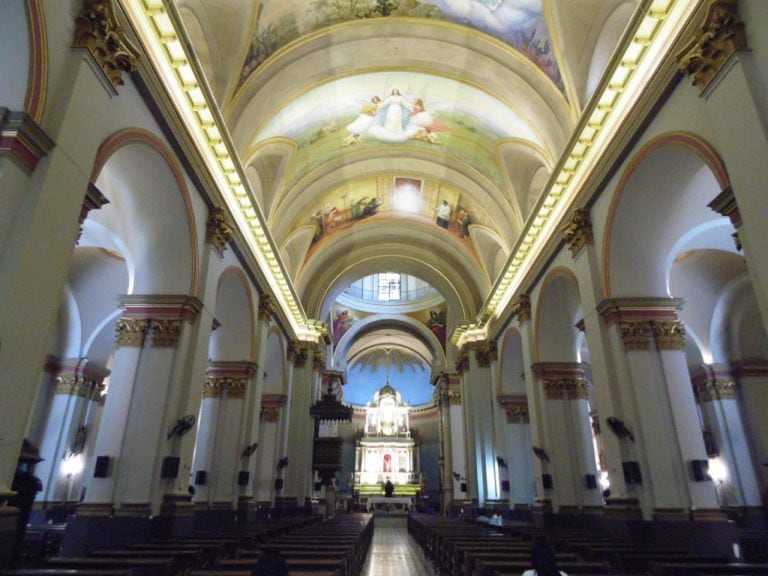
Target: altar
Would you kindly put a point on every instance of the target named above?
(398, 503)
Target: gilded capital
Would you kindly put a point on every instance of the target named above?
(668, 334)
(270, 407)
(218, 230)
(270, 413)
(486, 352)
(454, 397)
(521, 307)
(516, 408)
(578, 232)
(721, 35)
(462, 360)
(213, 388)
(266, 307)
(98, 31)
(164, 333)
(318, 363)
(720, 389)
(236, 388)
(636, 335)
(566, 388)
(298, 354)
(131, 331)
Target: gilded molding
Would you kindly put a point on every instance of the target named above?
(23, 139)
(164, 333)
(720, 389)
(236, 388)
(566, 388)
(270, 413)
(298, 354)
(578, 231)
(636, 335)
(270, 407)
(668, 334)
(721, 35)
(131, 331)
(66, 384)
(454, 397)
(521, 307)
(213, 388)
(266, 307)
(98, 31)
(218, 230)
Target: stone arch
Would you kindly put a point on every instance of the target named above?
(234, 339)
(275, 366)
(558, 309)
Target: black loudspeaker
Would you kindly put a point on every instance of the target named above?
(546, 481)
(243, 477)
(318, 486)
(278, 483)
(101, 470)
(505, 485)
(632, 474)
(700, 469)
(463, 486)
(200, 477)
(591, 481)
(170, 467)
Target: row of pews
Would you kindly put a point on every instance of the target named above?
(310, 547)
(462, 548)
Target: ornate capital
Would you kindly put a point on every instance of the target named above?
(454, 397)
(318, 362)
(23, 139)
(236, 388)
(213, 388)
(131, 331)
(521, 307)
(97, 30)
(721, 35)
(164, 333)
(516, 408)
(566, 388)
(266, 307)
(159, 317)
(462, 361)
(218, 230)
(668, 334)
(720, 389)
(270, 407)
(636, 335)
(486, 352)
(578, 232)
(298, 354)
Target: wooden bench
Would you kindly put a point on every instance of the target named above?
(707, 569)
(139, 566)
(490, 567)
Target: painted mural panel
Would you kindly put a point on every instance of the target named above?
(439, 115)
(519, 23)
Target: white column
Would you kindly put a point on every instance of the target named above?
(751, 377)
(519, 472)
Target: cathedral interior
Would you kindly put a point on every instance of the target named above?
(262, 255)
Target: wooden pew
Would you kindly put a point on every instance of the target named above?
(492, 567)
(181, 560)
(139, 566)
(707, 569)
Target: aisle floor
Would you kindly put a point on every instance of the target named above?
(393, 552)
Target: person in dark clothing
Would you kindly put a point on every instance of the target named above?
(271, 563)
(389, 489)
(543, 559)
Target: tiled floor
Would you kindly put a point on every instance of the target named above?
(393, 552)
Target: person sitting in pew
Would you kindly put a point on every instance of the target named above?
(543, 559)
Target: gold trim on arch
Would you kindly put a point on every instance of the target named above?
(705, 151)
(127, 136)
(37, 81)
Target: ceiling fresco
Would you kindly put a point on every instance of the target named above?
(519, 23)
(383, 109)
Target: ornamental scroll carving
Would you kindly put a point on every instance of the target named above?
(131, 331)
(722, 35)
(266, 307)
(566, 388)
(486, 353)
(97, 30)
(521, 307)
(462, 361)
(578, 232)
(298, 354)
(218, 230)
(636, 335)
(668, 334)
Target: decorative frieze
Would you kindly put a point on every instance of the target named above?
(516, 408)
(213, 388)
(521, 308)
(98, 31)
(77, 377)
(23, 139)
(298, 354)
(218, 230)
(236, 388)
(266, 307)
(721, 35)
(668, 334)
(578, 231)
(454, 397)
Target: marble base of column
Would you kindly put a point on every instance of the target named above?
(330, 501)
(670, 515)
(220, 505)
(623, 509)
(9, 517)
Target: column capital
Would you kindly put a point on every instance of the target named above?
(158, 316)
(668, 334)
(298, 352)
(230, 376)
(486, 352)
(641, 318)
(578, 231)
(725, 205)
(462, 360)
(77, 377)
(318, 362)
(271, 405)
(563, 380)
(521, 308)
(23, 139)
(266, 307)
(713, 382)
(218, 229)
(98, 31)
(754, 367)
(516, 408)
(721, 35)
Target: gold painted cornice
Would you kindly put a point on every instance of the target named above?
(516, 408)
(578, 231)
(218, 230)
(721, 36)
(23, 139)
(98, 31)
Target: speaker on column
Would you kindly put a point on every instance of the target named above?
(505, 485)
(278, 483)
(170, 468)
(463, 486)
(101, 470)
(700, 469)
(243, 477)
(546, 481)
(591, 481)
(318, 486)
(632, 474)
(200, 477)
